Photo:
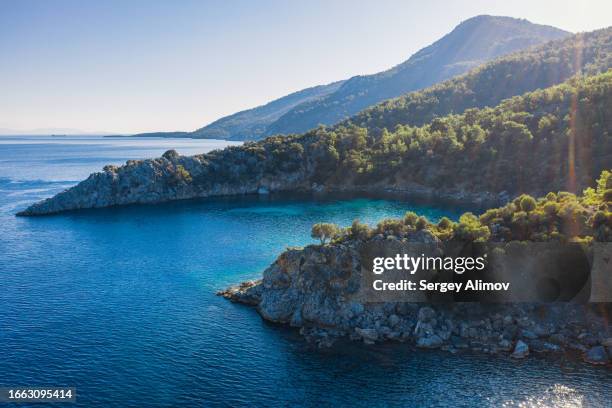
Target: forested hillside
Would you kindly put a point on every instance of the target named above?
(558, 216)
(541, 67)
(472, 43)
(551, 139)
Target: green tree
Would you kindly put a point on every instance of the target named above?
(528, 203)
(445, 223)
(324, 231)
(359, 230)
(410, 218)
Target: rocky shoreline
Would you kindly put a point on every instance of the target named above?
(313, 289)
(173, 177)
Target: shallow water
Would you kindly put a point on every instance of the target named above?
(120, 302)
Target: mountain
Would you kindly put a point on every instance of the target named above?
(471, 43)
(538, 67)
(252, 123)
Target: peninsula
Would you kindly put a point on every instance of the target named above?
(319, 288)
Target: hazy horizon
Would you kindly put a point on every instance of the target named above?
(120, 68)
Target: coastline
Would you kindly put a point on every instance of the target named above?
(315, 289)
(169, 178)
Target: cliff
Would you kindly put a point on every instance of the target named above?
(170, 177)
(317, 289)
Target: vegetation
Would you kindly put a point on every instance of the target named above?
(562, 217)
(472, 43)
(324, 231)
(554, 138)
(540, 67)
(182, 175)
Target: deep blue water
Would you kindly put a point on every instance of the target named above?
(120, 303)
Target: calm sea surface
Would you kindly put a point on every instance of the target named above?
(120, 303)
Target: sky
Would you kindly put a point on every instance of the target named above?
(134, 66)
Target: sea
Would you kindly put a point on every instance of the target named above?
(120, 303)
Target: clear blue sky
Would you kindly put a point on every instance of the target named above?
(132, 66)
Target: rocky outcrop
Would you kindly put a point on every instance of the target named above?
(232, 171)
(317, 290)
(171, 177)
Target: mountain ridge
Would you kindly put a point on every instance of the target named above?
(474, 41)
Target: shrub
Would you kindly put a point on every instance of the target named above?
(551, 196)
(469, 228)
(551, 208)
(182, 174)
(392, 226)
(410, 218)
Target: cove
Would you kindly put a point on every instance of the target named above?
(121, 304)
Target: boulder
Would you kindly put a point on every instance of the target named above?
(433, 341)
(551, 347)
(505, 345)
(528, 334)
(394, 320)
(596, 355)
(248, 293)
(369, 336)
(426, 314)
(521, 350)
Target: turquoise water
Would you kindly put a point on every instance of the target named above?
(120, 303)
